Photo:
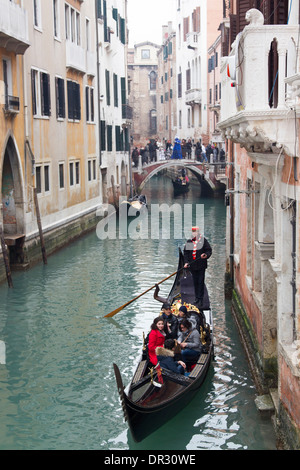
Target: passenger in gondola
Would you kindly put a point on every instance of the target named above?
(165, 356)
(190, 342)
(171, 322)
(157, 338)
(184, 314)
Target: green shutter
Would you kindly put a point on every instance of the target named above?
(116, 100)
(122, 25)
(107, 81)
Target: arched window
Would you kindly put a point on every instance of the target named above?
(153, 121)
(152, 79)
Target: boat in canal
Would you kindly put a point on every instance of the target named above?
(181, 185)
(138, 202)
(150, 400)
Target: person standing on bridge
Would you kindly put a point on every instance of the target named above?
(177, 152)
(196, 252)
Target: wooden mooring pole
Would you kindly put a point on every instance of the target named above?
(38, 217)
(5, 258)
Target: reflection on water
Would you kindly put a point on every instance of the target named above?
(57, 389)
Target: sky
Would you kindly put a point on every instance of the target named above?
(146, 17)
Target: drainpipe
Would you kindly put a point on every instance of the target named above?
(98, 85)
(231, 179)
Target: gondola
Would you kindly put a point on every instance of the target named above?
(181, 185)
(148, 404)
(138, 202)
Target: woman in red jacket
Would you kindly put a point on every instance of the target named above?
(156, 338)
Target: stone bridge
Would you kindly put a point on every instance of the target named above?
(211, 176)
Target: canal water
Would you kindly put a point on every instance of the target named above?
(57, 388)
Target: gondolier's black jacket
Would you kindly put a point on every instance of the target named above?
(202, 247)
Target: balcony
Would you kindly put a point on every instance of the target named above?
(91, 63)
(75, 56)
(256, 90)
(13, 27)
(193, 96)
(192, 40)
(12, 105)
(127, 115)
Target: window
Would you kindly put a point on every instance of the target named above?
(72, 25)
(46, 178)
(71, 168)
(61, 170)
(74, 107)
(152, 79)
(180, 85)
(38, 180)
(89, 104)
(60, 98)
(153, 121)
(42, 178)
(188, 79)
(92, 175)
(56, 19)
(40, 88)
(77, 173)
(145, 53)
(74, 168)
(37, 14)
(87, 34)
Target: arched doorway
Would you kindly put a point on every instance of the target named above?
(12, 203)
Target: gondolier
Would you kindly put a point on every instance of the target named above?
(197, 250)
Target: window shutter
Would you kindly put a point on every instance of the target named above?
(87, 107)
(107, 80)
(116, 101)
(103, 139)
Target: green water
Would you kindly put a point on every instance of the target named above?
(57, 388)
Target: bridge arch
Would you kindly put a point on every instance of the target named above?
(148, 171)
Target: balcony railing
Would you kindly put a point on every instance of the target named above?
(255, 86)
(13, 27)
(127, 112)
(193, 96)
(12, 104)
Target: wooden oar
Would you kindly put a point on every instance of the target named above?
(114, 312)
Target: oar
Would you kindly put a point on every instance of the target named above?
(111, 314)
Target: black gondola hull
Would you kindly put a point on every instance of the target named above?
(143, 421)
(146, 406)
(179, 187)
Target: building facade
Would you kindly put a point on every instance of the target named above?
(115, 115)
(143, 86)
(197, 24)
(167, 87)
(65, 125)
(260, 122)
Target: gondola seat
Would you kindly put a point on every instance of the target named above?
(139, 373)
(198, 367)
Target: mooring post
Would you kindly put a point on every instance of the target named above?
(5, 258)
(38, 217)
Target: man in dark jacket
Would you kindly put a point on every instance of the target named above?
(171, 329)
(196, 252)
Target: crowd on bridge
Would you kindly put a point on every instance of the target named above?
(184, 149)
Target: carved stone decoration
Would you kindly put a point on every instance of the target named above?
(254, 17)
